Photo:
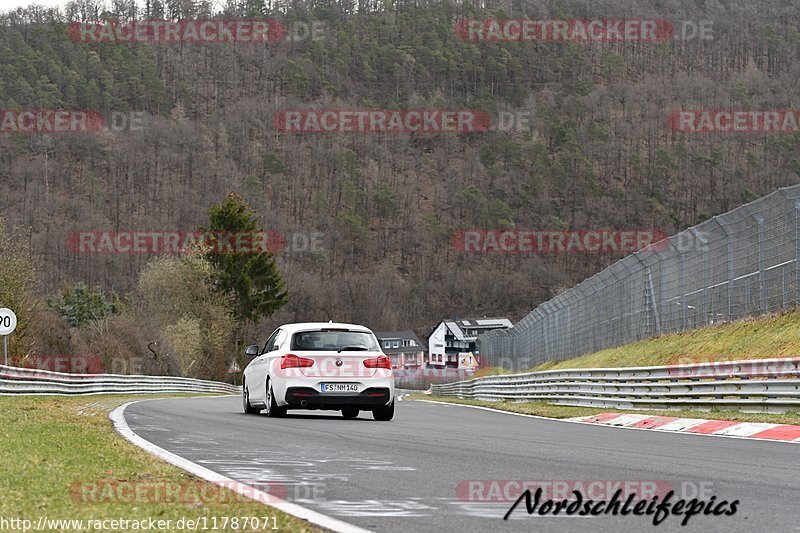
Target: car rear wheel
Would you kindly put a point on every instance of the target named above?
(273, 411)
(246, 407)
(383, 414)
(349, 412)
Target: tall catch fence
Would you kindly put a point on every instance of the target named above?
(739, 264)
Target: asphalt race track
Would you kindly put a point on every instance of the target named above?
(412, 474)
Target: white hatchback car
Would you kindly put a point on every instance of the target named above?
(319, 366)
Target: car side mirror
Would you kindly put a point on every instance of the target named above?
(252, 351)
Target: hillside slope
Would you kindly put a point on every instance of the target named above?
(757, 338)
(596, 154)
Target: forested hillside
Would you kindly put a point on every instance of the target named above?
(597, 154)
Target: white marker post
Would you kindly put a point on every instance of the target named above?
(8, 323)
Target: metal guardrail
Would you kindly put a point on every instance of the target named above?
(29, 381)
(764, 386)
(422, 379)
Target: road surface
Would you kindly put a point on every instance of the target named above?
(434, 466)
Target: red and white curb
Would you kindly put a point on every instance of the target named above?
(699, 426)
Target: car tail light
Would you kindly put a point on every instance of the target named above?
(292, 361)
(379, 362)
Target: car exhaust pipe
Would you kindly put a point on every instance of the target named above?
(303, 403)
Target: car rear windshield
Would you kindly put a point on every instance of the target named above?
(334, 340)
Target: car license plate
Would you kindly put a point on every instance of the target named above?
(339, 387)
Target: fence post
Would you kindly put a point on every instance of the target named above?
(545, 329)
(762, 273)
(607, 305)
(612, 315)
(633, 335)
(559, 316)
(653, 303)
(684, 308)
(649, 307)
(783, 288)
(629, 284)
(568, 336)
(797, 253)
(698, 237)
(666, 309)
(729, 261)
(747, 295)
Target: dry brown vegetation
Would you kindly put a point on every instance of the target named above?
(598, 153)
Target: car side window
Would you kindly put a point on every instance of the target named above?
(271, 341)
(278, 341)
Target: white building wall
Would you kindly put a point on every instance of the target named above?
(436, 344)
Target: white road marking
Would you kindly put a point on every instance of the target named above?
(374, 508)
(497, 511)
(117, 416)
(384, 468)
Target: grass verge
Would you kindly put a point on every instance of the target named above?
(62, 459)
(564, 411)
(755, 338)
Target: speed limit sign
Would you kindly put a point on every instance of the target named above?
(8, 321)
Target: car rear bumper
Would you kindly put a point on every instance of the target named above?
(309, 398)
